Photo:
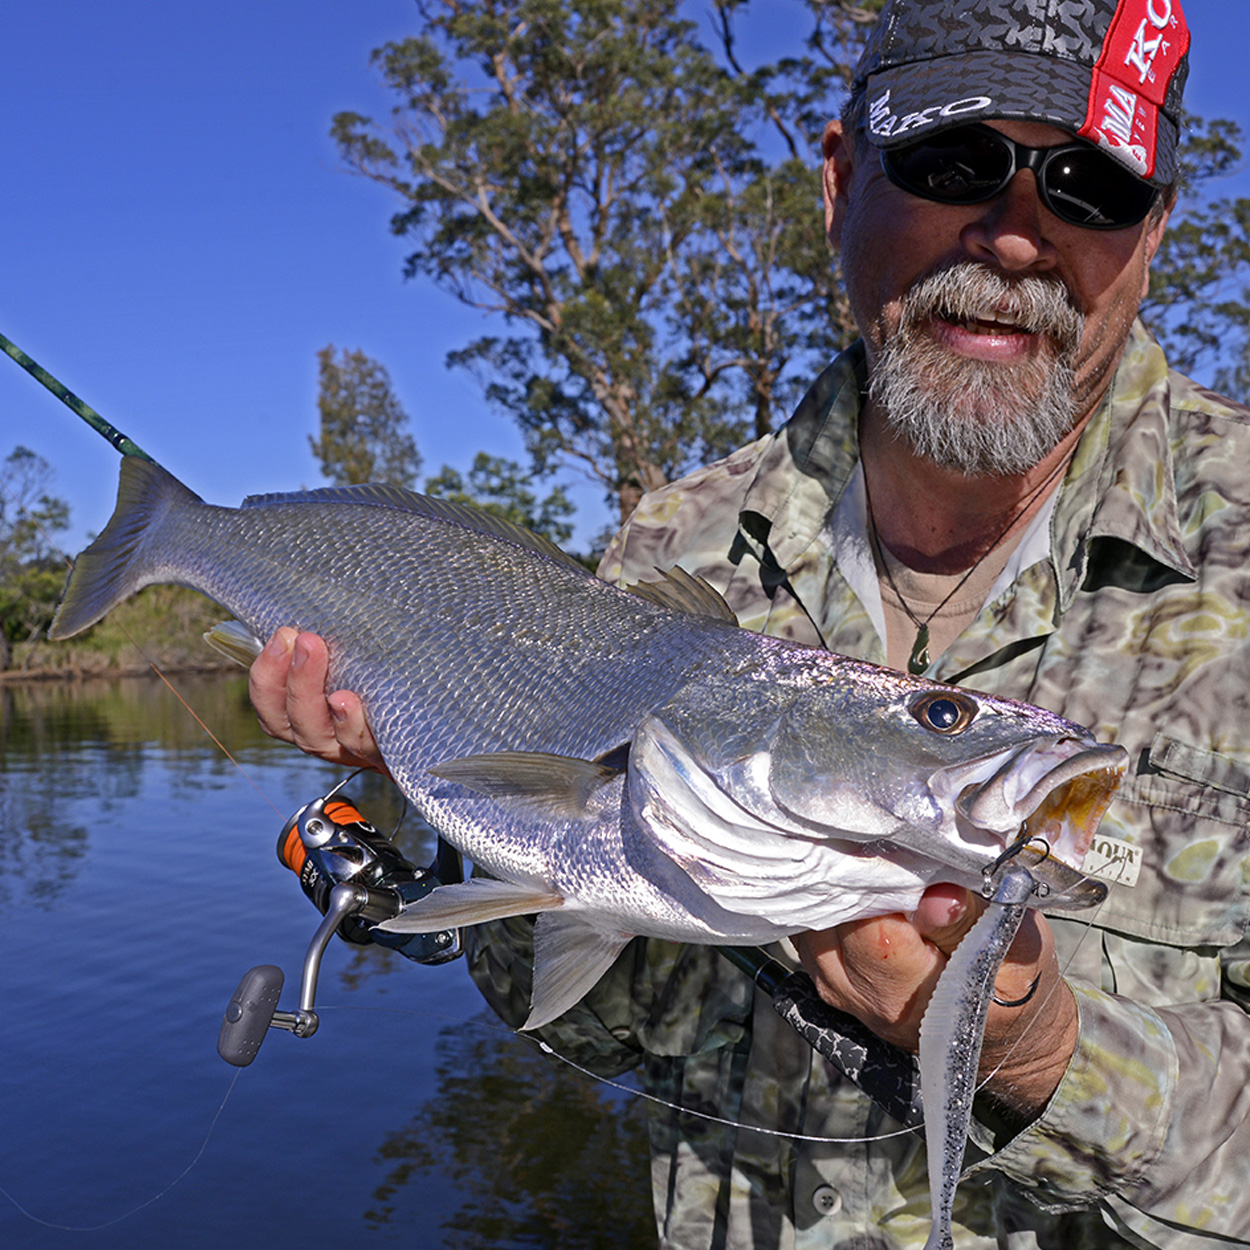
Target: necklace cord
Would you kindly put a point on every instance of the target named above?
(919, 660)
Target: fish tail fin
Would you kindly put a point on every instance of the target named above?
(114, 567)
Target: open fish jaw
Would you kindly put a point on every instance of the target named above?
(1054, 792)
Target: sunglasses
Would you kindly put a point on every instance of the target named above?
(972, 164)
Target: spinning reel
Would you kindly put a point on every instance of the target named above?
(356, 877)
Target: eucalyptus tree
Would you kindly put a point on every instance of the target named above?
(32, 571)
(364, 434)
(639, 210)
(637, 204)
(1199, 298)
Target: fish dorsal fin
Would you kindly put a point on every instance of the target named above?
(382, 495)
(561, 786)
(680, 591)
(569, 958)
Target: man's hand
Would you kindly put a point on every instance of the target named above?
(883, 972)
(287, 686)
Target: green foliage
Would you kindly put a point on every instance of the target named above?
(161, 627)
(591, 171)
(502, 487)
(641, 210)
(363, 426)
(32, 574)
(1199, 298)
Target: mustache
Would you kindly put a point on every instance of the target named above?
(966, 291)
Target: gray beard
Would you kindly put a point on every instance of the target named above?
(972, 416)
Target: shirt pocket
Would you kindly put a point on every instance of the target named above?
(1188, 811)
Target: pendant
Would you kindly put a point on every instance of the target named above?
(919, 659)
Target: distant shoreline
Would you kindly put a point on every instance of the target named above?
(161, 629)
(85, 672)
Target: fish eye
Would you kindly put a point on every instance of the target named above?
(945, 712)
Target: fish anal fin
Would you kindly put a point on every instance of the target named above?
(235, 641)
(471, 902)
(569, 958)
(680, 591)
(560, 785)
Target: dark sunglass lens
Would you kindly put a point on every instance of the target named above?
(955, 167)
(1090, 189)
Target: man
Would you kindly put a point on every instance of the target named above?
(1002, 486)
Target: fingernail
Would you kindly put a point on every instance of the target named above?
(298, 656)
(337, 712)
(278, 645)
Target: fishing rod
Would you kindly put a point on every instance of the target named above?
(353, 874)
(106, 429)
(335, 885)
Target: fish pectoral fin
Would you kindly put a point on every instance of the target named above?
(569, 958)
(559, 785)
(680, 591)
(235, 641)
(471, 902)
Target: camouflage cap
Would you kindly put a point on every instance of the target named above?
(1110, 71)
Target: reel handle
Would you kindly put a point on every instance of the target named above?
(252, 1010)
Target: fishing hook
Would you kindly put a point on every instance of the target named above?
(991, 870)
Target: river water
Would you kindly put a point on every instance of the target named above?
(138, 882)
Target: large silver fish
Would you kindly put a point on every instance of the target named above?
(619, 764)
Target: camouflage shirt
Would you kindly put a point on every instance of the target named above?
(1130, 613)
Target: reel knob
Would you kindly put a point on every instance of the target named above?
(249, 1014)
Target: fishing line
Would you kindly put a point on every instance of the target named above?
(117, 1219)
(715, 1119)
(632, 1090)
(127, 447)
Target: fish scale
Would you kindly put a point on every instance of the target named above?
(767, 788)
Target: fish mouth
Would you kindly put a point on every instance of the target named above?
(1052, 792)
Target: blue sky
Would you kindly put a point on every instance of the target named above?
(179, 238)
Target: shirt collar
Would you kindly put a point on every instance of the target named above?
(1120, 483)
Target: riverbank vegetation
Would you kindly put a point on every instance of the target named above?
(160, 627)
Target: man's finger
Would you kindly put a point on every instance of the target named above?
(312, 725)
(352, 730)
(266, 684)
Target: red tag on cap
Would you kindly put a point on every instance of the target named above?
(1140, 55)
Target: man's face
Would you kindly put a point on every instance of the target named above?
(997, 315)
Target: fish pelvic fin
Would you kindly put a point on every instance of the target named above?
(560, 786)
(569, 958)
(235, 641)
(471, 902)
(113, 567)
(680, 591)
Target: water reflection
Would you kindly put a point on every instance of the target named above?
(138, 881)
(543, 1156)
(75, 749)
